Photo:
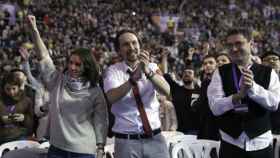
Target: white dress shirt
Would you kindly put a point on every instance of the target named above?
(267, 98)
(127, 116)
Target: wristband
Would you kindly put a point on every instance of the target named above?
(41, 109)
(100, 146)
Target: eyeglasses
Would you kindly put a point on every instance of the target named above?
(237, 44)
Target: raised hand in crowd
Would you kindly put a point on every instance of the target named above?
(191, 52)
(164, 52)
(38, 42)
(164, 59)
(24, 53)
(32, 22)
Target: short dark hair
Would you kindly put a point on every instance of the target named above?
(223, 54)
(240, 30)
(208, 56)
(10, 78)
(121, 32)
(189, 67)
(91, 67)
(18, 70)
(269, 53)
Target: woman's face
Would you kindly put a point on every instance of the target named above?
(222, 59)
(11, 90)
(75, 68)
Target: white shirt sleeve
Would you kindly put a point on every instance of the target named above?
(112, 79)
(34, 82)
(153, 67)
(219, 104)
(267, 98)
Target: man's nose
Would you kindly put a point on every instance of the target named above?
(234, 48)
(11, 93)
(72, 67)
(131, 46)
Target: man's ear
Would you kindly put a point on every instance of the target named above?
(117, 53)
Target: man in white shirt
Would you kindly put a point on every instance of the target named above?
(272, 59)
(241, 95)
(125, 82)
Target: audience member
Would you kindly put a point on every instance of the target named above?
(241, 95)
(131, 87)
(77, 110)
(15, 110)
(208, 128)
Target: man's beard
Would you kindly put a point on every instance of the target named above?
(132, 56)
(241, 60)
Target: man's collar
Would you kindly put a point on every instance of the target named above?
(127, 67)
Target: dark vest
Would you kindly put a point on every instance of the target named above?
(257, 120)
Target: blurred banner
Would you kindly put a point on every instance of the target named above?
(166, 23)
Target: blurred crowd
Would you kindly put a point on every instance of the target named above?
(93, 24)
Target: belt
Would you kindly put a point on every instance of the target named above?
(137, 136)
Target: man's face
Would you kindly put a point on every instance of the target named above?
(75, 66)
(205, 47)
(129, 47)
(209, 65)
(239, 48)
(272, 61)
(188, 76)
(11, 90)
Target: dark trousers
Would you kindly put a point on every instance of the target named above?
(231, 151)
(58, 153)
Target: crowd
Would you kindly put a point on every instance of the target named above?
(67, 25)
(41, 58)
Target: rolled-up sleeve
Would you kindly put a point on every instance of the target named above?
(34, 82)
(111, 79)
(219, 104)
(267, 98)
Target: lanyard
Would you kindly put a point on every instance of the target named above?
(236, 82)
(234, 74)
(11, 109)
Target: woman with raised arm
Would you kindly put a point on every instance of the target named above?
(78, 111)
